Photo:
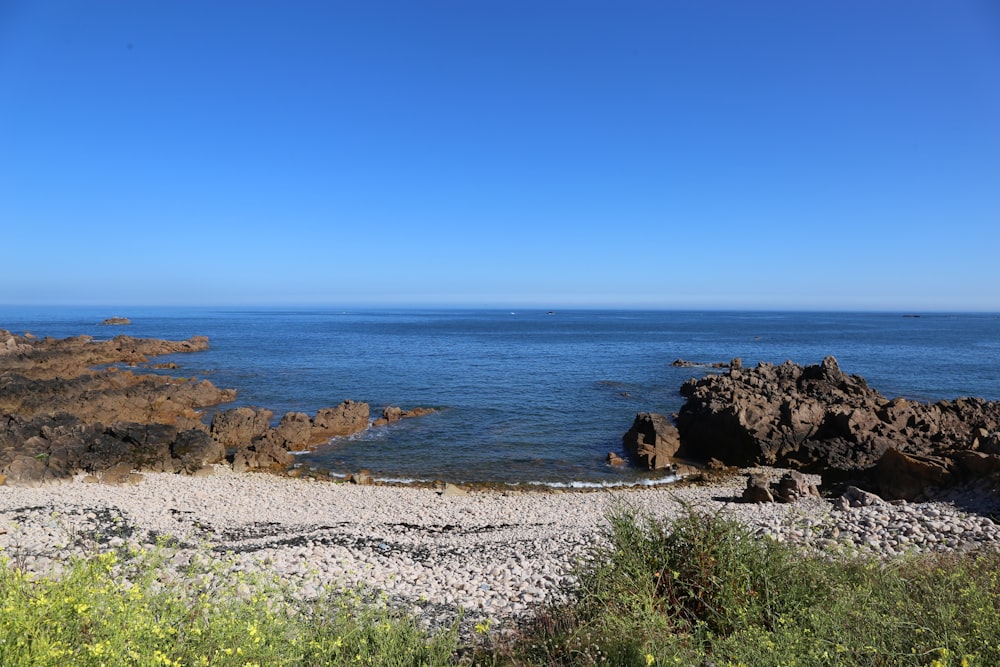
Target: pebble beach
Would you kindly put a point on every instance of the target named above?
(493, 554)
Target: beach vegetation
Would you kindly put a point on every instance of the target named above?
(695, 590)
(701, 589)
(106, 610)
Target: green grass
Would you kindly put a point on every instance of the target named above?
(697, 590)
(702, 590)
(106, 612)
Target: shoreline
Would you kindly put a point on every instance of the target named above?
(494, 554)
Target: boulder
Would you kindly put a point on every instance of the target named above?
(362, 477)
(348, 418)
(239, 426)
(296, 431)
(758, 490)
(794, 486)
(193, 449)
(652, 441)
(264, 453)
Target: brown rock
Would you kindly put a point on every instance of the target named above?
(819, 419)
(652, 441)
(239, 426)
(793, 486)
(363, 477)
(348, 418)
(295, 430)
(264, 453)
(615, 460)
(907, 476)
(758, 490)
(392, 414)
(116, 474)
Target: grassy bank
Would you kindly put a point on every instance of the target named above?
(698, 590)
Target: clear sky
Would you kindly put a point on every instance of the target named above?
(821, 154)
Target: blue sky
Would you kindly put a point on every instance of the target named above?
(830, 154)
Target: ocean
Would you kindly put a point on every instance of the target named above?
(526, 396)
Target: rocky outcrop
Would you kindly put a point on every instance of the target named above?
(819, 419)
(65, 408)
(52, 447)
(237, 426)
(652, 441)
(49, 376)
(258, 446)
(116, 321)
(348, 418)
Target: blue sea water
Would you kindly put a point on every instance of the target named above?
(527, 396)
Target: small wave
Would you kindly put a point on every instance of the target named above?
(604, 485)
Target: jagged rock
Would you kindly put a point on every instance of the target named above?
(50, 377)
(615, 460)
(348, 418)
(819, 419)
(264, 453)
(652, 441)
(60, 445)
(296, 431)
(193, 449)
(239, 426)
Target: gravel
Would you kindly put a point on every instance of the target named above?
(494, 554)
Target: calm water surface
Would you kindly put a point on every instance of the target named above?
(527, 396)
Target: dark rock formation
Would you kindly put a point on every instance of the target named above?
(56, 396)
(64, 409)
(46, 448)
(684, 363)
(819, 419)
(116, 321)
(652, 441)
